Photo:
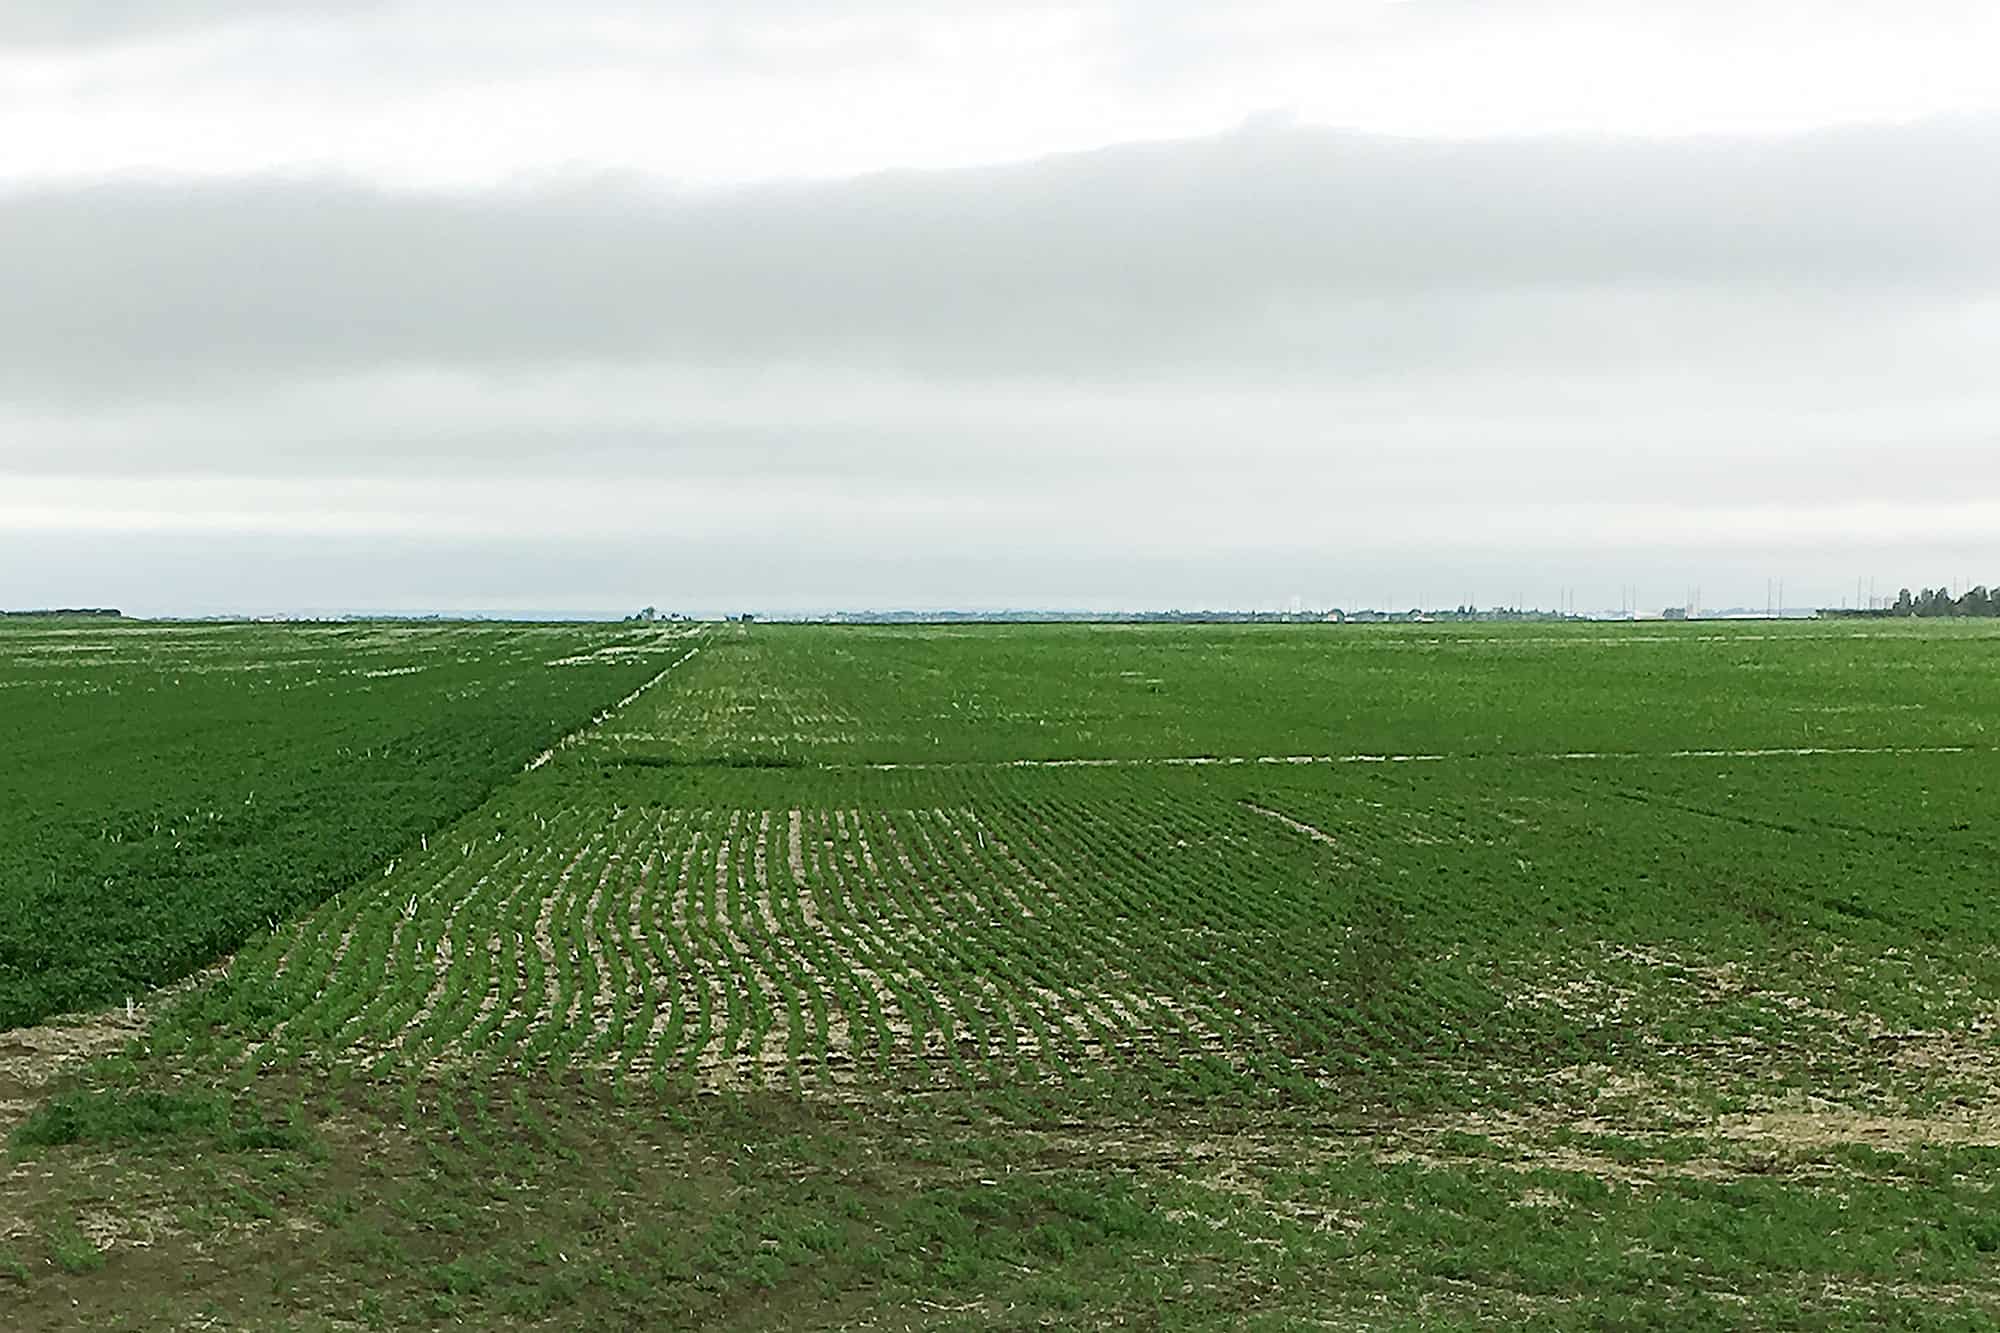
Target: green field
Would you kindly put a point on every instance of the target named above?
(1005, 976)
(167, 789)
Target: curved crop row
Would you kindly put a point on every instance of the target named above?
(799, 947)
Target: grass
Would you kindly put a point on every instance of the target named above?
(110, 1116)
(70, 1250)
(758, 1210)
(786, 997)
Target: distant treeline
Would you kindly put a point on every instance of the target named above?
(51, 613)
(1980, 601)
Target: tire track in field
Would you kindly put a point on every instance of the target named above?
(1553, 756)
(1298, 826)
(585, 731)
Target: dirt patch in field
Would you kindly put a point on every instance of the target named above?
(1836, 1127)
(136, 1227)
(33, 1058)
(1634, 1129)
(1246, 1157)
(1612, 983)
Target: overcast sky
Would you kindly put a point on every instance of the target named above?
(786, 305)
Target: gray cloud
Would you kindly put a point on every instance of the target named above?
(1209, 371)
(37, 23)
(1267, 252)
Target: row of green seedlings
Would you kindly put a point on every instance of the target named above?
(505, 958)
(1459, 886)
(1007, 965)
(1114, 933)
(494, 959)
(1039, 939)
(487, 954)
(831, 951)
(309, 992)
(932, 924)
(465, 958)
(490, 955)
(713, 969)
(956, 966)
(922, 955)
(1064, 941)
(815, 931)
(532, 953)
(333, 980)
(869, 937)
(1232, 925)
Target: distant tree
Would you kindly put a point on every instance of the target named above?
(1981, 600)
(1933, 602)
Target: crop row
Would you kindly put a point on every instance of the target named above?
(1040, 928)
(809, 929)
(734, 946)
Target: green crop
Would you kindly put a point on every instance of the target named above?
(1032, 976)
(1287, 914)
(166, 791)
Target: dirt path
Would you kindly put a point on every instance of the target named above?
(1546, 757)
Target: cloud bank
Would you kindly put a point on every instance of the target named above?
(1226, 367)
